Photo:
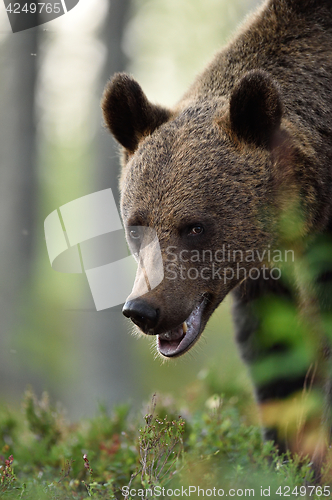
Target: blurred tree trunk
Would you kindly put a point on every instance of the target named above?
(118, 15)
(107, 331)
(18, 193)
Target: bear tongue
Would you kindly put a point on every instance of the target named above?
(175, 334)
(177, 341)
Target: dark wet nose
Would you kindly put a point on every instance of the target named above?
(141, 313)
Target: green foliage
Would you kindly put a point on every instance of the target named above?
(7, 476)
(160, 446)
(42, 419)
(99, 458)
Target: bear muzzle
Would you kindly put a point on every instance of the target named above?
(142, 314)
(171, 343)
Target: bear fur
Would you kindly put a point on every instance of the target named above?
(248, 146)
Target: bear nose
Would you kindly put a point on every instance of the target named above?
(141, 313)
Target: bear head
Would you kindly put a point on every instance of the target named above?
(205, 177)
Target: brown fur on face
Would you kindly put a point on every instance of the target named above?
(250, 134)
(253, 131)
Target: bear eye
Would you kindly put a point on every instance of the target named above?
(134, 234)
(196, 230)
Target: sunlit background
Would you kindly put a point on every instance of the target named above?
(53, 149)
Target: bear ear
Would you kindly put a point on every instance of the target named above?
(255, 108)
(127, 112)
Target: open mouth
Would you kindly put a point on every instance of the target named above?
(180, 339)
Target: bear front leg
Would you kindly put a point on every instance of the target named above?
(288, 368)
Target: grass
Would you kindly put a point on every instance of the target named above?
(123, 456)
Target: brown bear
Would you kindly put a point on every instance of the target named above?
(239, 169)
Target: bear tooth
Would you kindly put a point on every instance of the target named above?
(184, 327)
